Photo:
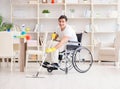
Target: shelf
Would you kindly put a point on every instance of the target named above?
(104, 18)
(49, 18)
(105, 32)
(23, 4)
(31, 32)
(50, 4)
(78, 4)
(25, 18)
(105, 4)
(78, 18)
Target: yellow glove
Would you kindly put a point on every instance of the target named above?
(54, 36)
(49, 50)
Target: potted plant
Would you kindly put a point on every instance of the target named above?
(5, 26)
(46, 12)
(85, 1)
(1, 28)
(72, 11)
(1, 20)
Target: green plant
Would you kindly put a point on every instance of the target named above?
(5, 26)
(46, 11)
(1, 20)
(85, 0)
(1, 28)
(72, 10)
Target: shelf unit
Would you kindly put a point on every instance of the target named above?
(105, 19)
(98, 17)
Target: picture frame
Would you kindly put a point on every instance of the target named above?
(44, 1)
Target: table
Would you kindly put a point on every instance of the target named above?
(22, 54)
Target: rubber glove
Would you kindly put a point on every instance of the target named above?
(54, 35)
(49, 50)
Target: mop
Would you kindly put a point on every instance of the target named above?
(38, 74)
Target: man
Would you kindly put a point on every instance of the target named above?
(65, 33)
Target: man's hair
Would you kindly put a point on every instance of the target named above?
(63, 17)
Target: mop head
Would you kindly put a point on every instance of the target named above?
(36, 76)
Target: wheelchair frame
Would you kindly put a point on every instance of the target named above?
(71, 51)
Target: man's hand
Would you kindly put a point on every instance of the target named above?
(49, 50)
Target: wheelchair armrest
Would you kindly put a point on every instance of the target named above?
(79, 43)
(74, 42)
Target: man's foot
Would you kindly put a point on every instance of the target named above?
(45, 64)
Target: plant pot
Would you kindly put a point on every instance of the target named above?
(46, 14)
(85, 1)
(8, 30)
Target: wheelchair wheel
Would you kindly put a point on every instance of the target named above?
(49, 70)
(66, 62)
(82, 59)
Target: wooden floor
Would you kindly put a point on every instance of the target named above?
(100, 76)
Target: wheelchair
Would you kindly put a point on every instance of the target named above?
(74, 56)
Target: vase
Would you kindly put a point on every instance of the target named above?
(46, 14)
(8, 30)
(52, 1)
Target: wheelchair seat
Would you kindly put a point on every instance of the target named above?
(74, 47)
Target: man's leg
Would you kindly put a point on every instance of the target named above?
(55, 54)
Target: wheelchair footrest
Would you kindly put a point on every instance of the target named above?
(50, 69)
(53, 68)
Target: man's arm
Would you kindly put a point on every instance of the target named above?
(62, 42)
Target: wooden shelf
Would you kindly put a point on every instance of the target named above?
(105, 4)
(78, 18)
(104, 18)
(78, 4)
(104, 32)
(50, 4)
(52, 18)
(32, 32)
(23, 4)
(25, 18)
(70, 18)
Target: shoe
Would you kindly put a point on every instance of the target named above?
(53, 66)
(45, 64)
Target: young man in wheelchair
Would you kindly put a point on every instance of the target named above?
(64, 33)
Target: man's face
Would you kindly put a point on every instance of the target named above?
(62, 23)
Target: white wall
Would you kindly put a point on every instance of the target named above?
(5, 9)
